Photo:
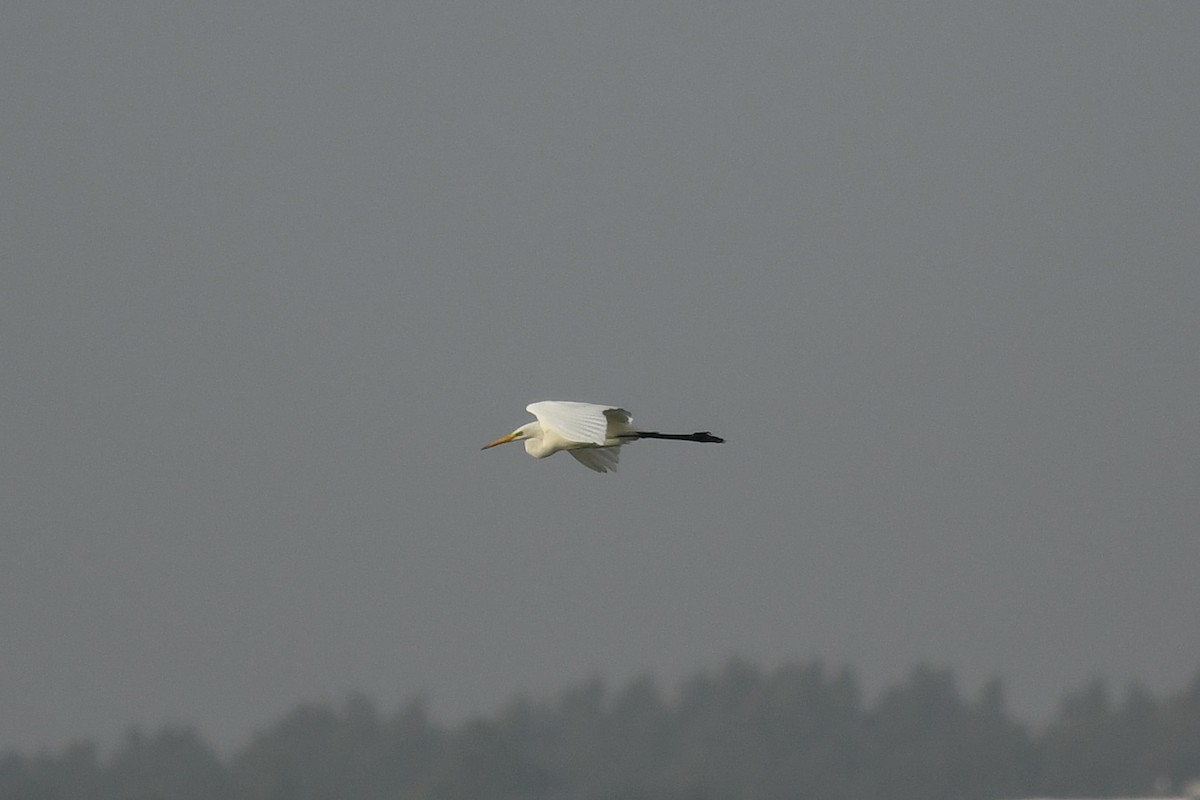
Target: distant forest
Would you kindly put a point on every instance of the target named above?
(799, 731)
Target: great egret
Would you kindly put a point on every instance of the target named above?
(591, 433)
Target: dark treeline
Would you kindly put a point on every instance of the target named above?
(800, 731)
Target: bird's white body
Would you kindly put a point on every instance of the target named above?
(591, 432)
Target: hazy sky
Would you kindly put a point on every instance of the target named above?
(273, 272)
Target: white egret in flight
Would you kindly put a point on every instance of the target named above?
(591, 433)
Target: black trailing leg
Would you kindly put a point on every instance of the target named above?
(699, 436)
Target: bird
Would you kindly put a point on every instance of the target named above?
(592, 433)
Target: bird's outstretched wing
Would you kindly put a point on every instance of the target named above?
(577, 422)
(599, 459)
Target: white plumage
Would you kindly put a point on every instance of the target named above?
(591, 432)
(579, 422)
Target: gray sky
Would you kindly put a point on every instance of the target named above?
(274, 272)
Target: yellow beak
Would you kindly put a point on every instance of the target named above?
(501, 440)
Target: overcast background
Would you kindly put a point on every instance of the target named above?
(273, 272)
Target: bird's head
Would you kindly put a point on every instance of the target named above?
(524, 432)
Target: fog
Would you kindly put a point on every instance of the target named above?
(272, 274)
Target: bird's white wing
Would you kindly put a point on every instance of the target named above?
(577, 422)
(599, 459)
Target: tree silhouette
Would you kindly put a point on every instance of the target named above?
(743, 732)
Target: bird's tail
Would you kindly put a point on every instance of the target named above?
(698, 436)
